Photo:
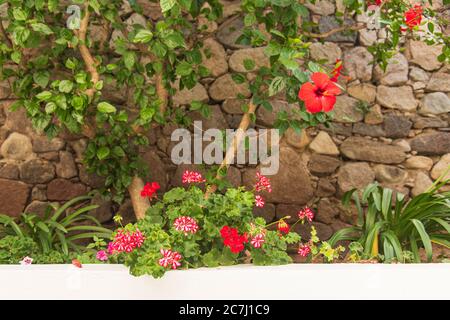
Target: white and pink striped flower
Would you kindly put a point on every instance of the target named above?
(259, 201)
(26, 261)
(258, 240)
(186, 225)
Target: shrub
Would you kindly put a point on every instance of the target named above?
(390, 228)
(56, 231)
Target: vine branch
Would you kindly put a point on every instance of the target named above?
(5, 35)
(336, 30)
(237, 140)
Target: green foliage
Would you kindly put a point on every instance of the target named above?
(395, 229)
(205, 247)
(57, 89)
(56, 231)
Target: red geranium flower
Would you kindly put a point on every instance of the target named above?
(320, 95)
(413, 17)
(150, 189)
(232, 239)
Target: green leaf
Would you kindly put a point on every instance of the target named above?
(424, 237)
(50, 107)
(143, 36)
(166, 5)
(105, 107)
(103, 153)
(118, 151)
(277, 85)
(42, 28)
(184, 68)
(16, 56)
(249, 64)
(129, 60)
(41, 78)
(44, 95)
(19, 14)
(65, 86)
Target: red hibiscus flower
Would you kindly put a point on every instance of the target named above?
(413, 17)
(320, 95)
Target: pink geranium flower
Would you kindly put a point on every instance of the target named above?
(304, 250)
(262, 183)
(307, 213)
(102, 255)
(26, 261)
(259, 201)
(258, 240)
(192, 177)
(186, 225)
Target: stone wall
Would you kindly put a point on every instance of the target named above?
(399, 136)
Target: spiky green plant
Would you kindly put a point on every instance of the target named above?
(392, 228)
(57, 229)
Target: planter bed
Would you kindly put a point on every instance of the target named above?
(295, 281)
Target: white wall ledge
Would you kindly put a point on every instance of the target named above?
(295, 281)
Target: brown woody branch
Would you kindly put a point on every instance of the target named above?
(5, 35)
(237, 140)
(336, 30)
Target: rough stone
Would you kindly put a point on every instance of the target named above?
(299, 192)
(325, 188)
(5, 90)
(13, 197)
(44, 144)
(363, 91)
(214, 57)
(324, 232)
(149, 9)
(17, 147)
(389, 174)
(354, 175)
(90, 179)
(283, 210)
(435, 103)
(186, 96)
(216, 119)
(439, 82)
(396, 126)
(422, 123)
(368, 130)
(424, 55)
(16, 121)
(323, 165)
(401, 98)
(419, 162)
(66, 167)
(37, 171)
(327, 23)
(336, 128)
(267, 212)
(321, 7)
(234, 106)
(357, 148)
(297, 140)
(327, 210)
(104, 211)
(323, 144)
(421, 183)
(374, 116)
(396, 71)
(327, 51)
(417, 74)
(267, 118)
(436, 143)
(257, 55)
(62, 190)
(157, 170)
(367, 37)
(357, 64)
(346, 110)
(230, 31)
(37, 207)
(440, 167)
(9, 171)
(39, 192)
(225, 88)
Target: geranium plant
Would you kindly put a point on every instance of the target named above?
(186, 230)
